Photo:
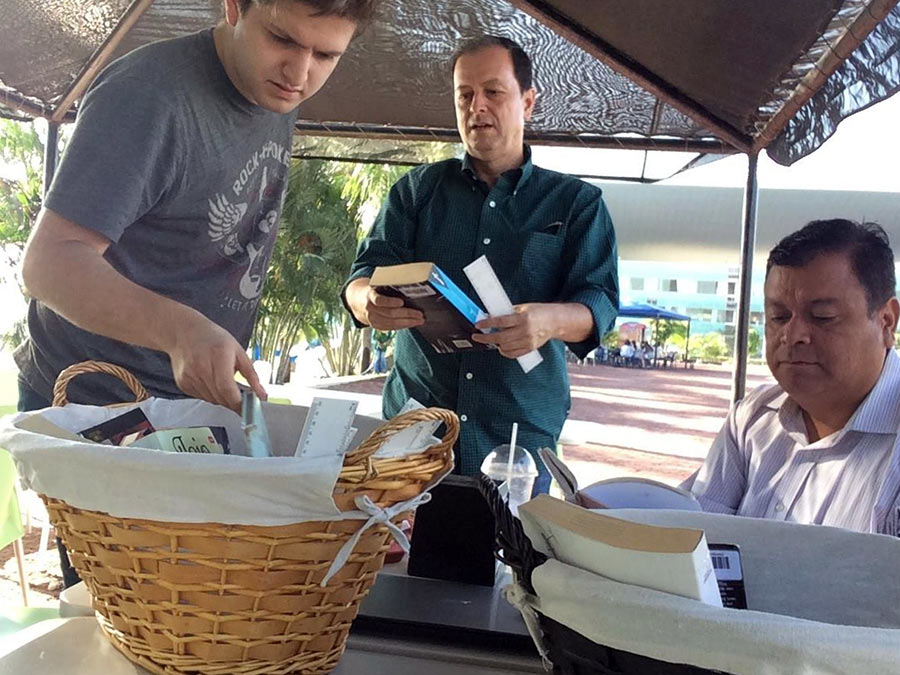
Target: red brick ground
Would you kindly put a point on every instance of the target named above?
(655, 423)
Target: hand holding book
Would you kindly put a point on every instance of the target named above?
(378, 310)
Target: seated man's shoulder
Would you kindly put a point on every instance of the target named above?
(762, 398)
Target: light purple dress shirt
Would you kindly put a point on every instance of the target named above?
(763, 465)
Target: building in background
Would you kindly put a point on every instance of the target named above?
(705, 292)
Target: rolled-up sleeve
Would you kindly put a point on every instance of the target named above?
(592, 264)
(391, 239)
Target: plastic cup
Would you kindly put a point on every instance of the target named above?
(519, 476)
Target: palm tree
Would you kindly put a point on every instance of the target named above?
(313, 252)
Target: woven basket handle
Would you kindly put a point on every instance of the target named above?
(73, 371)
(372, 444)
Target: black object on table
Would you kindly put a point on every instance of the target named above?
(453, 535)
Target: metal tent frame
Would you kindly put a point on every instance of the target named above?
(799, 68)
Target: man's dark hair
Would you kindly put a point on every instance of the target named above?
(865, 244)
(360, 11)
(520, 60)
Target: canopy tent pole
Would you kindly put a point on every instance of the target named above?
(51, 155)
(99, 58)
(687, 343)
(748, 243)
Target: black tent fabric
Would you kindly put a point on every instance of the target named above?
(702, 75)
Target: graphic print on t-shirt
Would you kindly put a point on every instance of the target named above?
(243, 222)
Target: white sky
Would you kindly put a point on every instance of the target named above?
(861, 155)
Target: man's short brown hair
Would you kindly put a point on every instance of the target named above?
(359, 11)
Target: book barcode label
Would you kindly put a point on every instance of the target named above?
(726, 562)
(720, 562)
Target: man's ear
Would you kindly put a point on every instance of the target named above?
(529, 97)
(889, 314)
(232, 12)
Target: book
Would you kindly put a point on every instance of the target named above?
(627, 492)
(668, 559)
(450, 314)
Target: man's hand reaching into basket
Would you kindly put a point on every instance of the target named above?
(64, 267)
(205, 358)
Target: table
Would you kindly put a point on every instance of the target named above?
(406, 626)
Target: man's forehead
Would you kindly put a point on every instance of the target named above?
(302, 23)
(488, 82)
(494, 60)
(828, 276)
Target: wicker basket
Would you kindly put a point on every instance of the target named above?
(217, 599)
(570, 652)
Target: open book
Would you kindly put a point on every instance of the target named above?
(669, 559)
(629, 492)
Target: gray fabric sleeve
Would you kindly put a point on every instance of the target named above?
(121, 159)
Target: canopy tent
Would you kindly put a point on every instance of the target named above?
(694, 75)
(642, 311)
(697, 75)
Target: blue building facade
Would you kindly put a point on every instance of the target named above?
(706, 293)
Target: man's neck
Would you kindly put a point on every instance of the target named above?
(490, 170)
(825, 419)
(222, 42)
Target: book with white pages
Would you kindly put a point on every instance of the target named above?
(668, 559)
(627, 492)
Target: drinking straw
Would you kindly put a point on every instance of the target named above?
(512, 450)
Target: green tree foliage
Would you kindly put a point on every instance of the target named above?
(709, 347)
(316, 243)
(21, 193)
(666, 329)
(20, 196)
(611, 339)
(754, 343)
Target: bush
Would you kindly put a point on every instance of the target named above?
(709, 347)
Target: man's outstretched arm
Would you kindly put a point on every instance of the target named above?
(65, 269)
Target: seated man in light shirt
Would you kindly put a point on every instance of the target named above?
(821, 445)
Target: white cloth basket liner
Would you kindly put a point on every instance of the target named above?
(183, 487)
(821, 600)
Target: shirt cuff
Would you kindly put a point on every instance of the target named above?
(604, 314)
(354, 275)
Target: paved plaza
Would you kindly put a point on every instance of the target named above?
(654, 422)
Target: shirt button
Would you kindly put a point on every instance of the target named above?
(463, 418)
(779, 507)
(486, 241)
(492, 203)
(469, 376)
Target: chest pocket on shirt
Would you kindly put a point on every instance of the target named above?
(540, 277)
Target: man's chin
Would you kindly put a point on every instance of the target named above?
(800, 378)
(277, 104)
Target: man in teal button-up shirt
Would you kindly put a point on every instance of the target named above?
(548, 236)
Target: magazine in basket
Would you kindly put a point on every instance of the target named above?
(670, 559)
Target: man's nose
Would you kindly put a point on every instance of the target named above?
(479, 102)
(296, 68)
(796, 331)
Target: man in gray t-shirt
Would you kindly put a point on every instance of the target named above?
(152, 249)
